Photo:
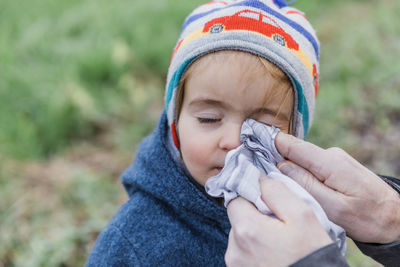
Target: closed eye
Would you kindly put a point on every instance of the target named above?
(208, 120)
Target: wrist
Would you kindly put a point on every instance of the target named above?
(396, 222)
(391, 220)
(316, 241)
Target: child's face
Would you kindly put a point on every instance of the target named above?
(217, 99)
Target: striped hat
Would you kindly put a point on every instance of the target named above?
(267, 28)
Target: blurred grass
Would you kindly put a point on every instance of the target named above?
(81, 82)
(359, 103)
(68, 67)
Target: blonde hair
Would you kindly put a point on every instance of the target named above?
(279, 83)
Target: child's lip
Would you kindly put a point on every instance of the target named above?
(219, 168)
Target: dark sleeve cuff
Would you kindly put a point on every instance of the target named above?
(325, 256)
(386, 254)
(392, 181)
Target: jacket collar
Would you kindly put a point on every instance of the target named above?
(157, 174)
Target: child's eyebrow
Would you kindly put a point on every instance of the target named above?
(261, 110)
(207, 101)
(264, 110)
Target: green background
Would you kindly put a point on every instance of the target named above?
(81, 82)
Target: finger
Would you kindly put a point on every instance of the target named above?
(328, 198)
(303, 177)
(282, 202)
(240, 209)
(307, 155)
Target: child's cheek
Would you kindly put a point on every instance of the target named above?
(196, 151)
(198, 156)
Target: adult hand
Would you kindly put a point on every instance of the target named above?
(257, 238)
(351, 195)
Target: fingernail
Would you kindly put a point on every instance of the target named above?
(285, 167)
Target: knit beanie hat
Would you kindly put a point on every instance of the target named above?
(267, 28)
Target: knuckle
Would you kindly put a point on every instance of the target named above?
(307, 215)
(338, 157)
(335, 149)
(337, 152)
(293, 172)
(296, 144)
(244, 234)
(306, 212)
(309, 181)
(317, 169)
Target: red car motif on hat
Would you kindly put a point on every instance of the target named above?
(249, 20)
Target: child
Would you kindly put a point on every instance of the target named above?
(234, 60)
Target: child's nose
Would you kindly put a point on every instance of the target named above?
(230, 138)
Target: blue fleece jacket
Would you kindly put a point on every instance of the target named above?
(167, 221)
